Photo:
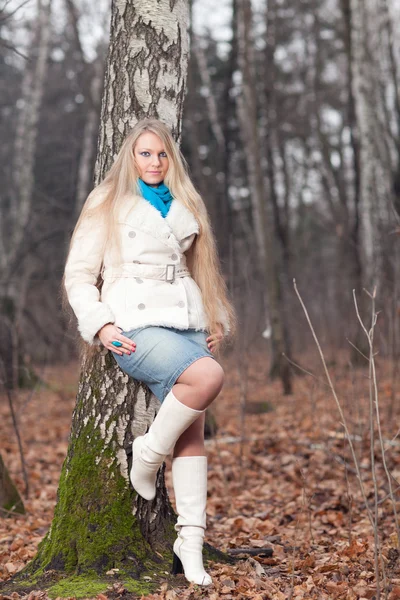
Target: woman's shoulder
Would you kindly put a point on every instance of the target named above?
(100, 193)
(97, 196)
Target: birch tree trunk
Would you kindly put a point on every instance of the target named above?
(264, 233)
(99, 522)
(375, 160)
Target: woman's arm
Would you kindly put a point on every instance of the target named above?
(81, 272)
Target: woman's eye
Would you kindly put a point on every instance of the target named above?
(163, 154)
(144, 153)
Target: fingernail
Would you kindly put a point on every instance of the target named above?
(128, 352)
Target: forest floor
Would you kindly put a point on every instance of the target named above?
(291, 485)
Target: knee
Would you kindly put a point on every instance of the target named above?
(214, 379)
(205, 376)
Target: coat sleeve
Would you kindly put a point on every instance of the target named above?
(81, 272)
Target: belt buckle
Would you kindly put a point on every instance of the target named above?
(173, 273)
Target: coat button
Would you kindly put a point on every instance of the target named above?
(181, 304)
(138, 280)
(141, 306)
(132, 234)
(174, 256)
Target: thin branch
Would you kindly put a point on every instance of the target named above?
(13, 49)
(343, 420)
(9, 15)
(16, 429)
(374, 386)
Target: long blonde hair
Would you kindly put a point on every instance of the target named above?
(122, 179)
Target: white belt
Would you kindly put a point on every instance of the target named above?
(147, 271)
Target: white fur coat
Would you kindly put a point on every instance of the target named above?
(130, 302)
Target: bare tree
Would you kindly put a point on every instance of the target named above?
(14, 220)
(264, 232)
(375, 153)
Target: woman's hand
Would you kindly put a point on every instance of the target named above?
(111, 333)
(215, 338)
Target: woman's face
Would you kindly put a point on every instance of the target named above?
(151, 158)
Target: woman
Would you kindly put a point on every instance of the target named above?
(162, 310)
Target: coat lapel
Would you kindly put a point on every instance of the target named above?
(182, 222)
(178, 224)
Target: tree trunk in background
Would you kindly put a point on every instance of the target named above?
(222, 209)
(10, 500)
(87, 151)
(375, 160)
(263, 230)
(280, 216)
(90, 79)
(350, 242)
(100, 523)
(14, 223)
(388, 20)
(27, 129)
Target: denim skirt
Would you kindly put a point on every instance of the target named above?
(162, 354)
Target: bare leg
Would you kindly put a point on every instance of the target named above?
(175, 424)
(197, 387)
(199, 384)
(191, 442)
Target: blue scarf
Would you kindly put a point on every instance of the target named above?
(160, 197)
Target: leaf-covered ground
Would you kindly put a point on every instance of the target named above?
(290, 486)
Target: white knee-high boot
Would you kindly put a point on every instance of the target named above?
(189, 478)
(150, 450)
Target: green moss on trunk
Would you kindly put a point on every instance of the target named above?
(93, 526)
(94, 530)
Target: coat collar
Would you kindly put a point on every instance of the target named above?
(177, 225)
(182, 222)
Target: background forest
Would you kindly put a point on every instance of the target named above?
(291, 130)
(292, 111)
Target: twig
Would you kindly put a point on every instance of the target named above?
(370, 335)
(304, 370)
(377, 412)
(10, 14)
(343, 420)
(13, 49)
(251, 551)
(11, 513)
(307, 503)
(16, 429)
(357, 349)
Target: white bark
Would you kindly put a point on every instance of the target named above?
(147, 65)
(374, 138)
